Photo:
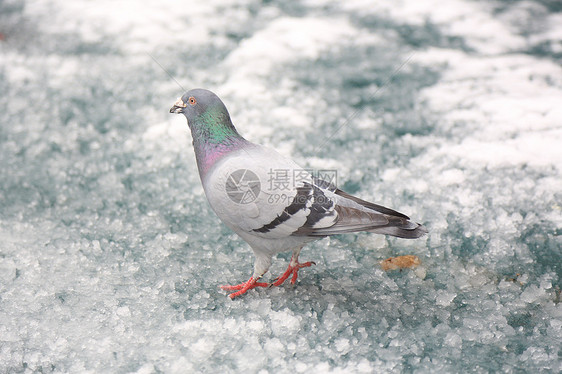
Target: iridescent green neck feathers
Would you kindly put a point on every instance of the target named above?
(214, 136)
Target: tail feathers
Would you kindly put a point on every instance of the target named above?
(371, 206)
(355, 220)
(398, 224)
(413, 231)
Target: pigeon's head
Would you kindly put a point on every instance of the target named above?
(197, 102)
(207, 119)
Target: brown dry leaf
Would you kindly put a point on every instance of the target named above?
(400, 262)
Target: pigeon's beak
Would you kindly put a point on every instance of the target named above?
(178, 106)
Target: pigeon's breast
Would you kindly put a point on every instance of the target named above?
(251, 190)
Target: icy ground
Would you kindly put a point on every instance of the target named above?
(110, 258)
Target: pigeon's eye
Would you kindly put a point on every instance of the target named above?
(192, 100)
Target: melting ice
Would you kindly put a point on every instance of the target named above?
(110, 258)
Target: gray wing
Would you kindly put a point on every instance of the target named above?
(332, 211)
(310, 208)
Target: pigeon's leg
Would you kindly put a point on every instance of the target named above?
(293, 268)
(261, 265)
(243, 287)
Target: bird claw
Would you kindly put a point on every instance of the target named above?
(243, 287)
(292, 269)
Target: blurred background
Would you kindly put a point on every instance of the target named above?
(110, 257)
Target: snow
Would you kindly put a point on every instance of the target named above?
(110, 258)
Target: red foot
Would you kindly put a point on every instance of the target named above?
(293, 269)
(243, 287)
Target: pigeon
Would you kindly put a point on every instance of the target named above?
(268, 200)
